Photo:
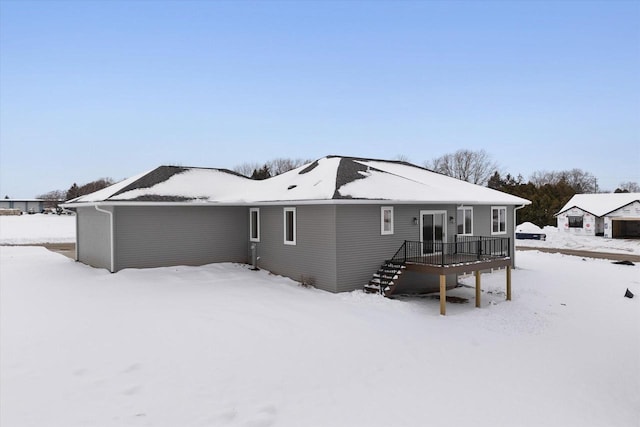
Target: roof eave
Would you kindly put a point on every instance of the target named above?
(292, 202)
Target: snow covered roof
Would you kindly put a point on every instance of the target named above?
(600, 204)
(329, 178)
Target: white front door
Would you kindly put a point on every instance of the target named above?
(433, 231)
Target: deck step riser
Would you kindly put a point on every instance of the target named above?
(385, 280)
(384, 277)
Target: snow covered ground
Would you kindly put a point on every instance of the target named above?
(37, 228)
(221, 345)
(564, 240)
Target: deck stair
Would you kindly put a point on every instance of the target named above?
(386, 279)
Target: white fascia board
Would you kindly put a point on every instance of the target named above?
(185, 204)
(295, 202)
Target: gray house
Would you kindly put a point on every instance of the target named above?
(340, 223)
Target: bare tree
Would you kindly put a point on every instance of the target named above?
(471, 166)
(628, 187)
(274, 167)
(247, 168)
(581, 181)
(282, 165)
(541, 178)
(53, 196)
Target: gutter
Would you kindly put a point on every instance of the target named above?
(111, 249)
(515, 211)
(294, 202)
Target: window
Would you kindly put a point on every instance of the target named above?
(465, 221)
(499, 220)
(289, 226)
(386, 220)
(254, 225)
(575, 221)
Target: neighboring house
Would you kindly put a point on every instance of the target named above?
(332, 222)
(24, 205)
(612, 215)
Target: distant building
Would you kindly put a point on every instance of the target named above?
(24, 205)
(612, 215)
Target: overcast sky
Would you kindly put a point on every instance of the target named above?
(92, 89)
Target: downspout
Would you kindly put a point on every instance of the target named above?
(514, 233)
(112, 253)
(77, 257)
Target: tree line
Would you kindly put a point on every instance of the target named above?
(57, 196)
(268, 169)
(548, 191)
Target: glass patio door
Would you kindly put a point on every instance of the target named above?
(432, 231)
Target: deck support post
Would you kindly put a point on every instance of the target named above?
(508, 283)
(443, 294)
(478, 291)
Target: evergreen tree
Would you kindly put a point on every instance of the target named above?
(73, 192)
(262, 173)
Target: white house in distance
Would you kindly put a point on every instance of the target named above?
(612, 215)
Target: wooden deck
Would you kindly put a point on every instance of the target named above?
(455, 264)
(472, 254)
(464, 255)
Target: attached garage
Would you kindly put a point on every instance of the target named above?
(625, 228)
(625, 221)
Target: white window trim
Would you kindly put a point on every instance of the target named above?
(382, 230)
(251, 238)
(467, 232)
(295, 234)
(506, 225)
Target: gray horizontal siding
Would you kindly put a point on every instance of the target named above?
(314, 255)
(482, 224)
(168, 235)
(93, 240)
(361, 247)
